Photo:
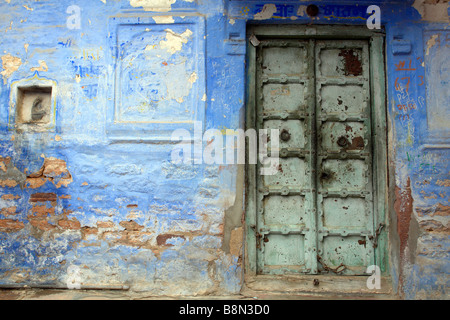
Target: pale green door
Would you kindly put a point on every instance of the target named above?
(315, 215)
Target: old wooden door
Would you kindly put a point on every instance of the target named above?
(316, 215)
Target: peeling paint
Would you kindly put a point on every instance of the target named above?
(433, 10)
(153, 5)
(193, 78)
(403, 207)
(430, 43)
(8, 183)
(42, 66)
(9, 225)
(301, 10)
(267, 12)
(53, 170)
(10, 65)
(443, 183)
(236, 241)
(163, 19)
(179, 82)
(174, 41)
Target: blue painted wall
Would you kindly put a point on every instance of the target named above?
(96, 190)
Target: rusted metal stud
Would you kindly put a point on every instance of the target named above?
(285, 135)
(325, 175)
(342, 142)
(312, 10)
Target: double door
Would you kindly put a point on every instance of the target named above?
(316, 214)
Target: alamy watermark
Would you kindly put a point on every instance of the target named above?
(374, 20)
(74, 20)
(374, 281)
(227, 147)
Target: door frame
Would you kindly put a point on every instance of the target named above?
(379, 125)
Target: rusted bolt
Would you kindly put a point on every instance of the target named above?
(342, 142)
(325, 175)
(312, 10)
(285, 135)
(316, 282)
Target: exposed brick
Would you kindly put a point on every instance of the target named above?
(436, 210)
(443, 183)
(41, 224)
(9, 225)
(105, 224)
(8, 211)
(42, 211)
(4, 161)
(433, 226)
(55, 167)
(131, 225)
(134, 238)
(10, 197)
(88, 231)
(34, 183)
(54, 170)
(42, 197)
(162, 239)
(8, 183)
(69, 224)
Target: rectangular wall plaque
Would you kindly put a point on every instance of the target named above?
(159, 77)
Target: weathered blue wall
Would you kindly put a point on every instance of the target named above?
(97, 189)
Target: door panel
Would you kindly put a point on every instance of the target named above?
(347, 255)
(339, 213)
(281, 210)
(339, 175)
(291, 173)
(282, 99)
(341, 100)
(284, 58)
(340, 62)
